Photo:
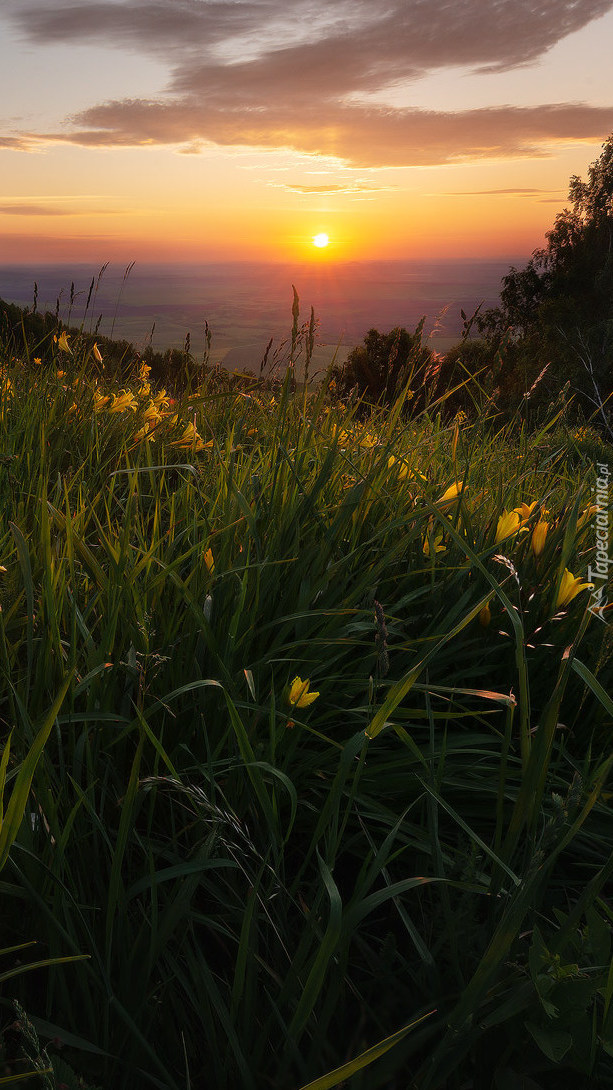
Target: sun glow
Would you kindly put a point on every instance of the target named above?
(320, 240)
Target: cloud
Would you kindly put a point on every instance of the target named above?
(15, 143)
(495, 192)
(362, 136)
(331, 190)
(298, 74)
(32, 210)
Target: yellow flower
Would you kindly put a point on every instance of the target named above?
(97, 353)
(209, 560)
(299, 695)
(161, 400)
(122, 401)
(144, 389)
(191, 439)
(100, 401)
(59, 374)
(570, 587)
(152, 414)
(485, 615)
(144, 371)
(591, 509)
(145, 433)
(62, 342)
(369, 441)
(435, 538)
(538, 537)
(508, 523)
(38, 361)
(340, 435)
(450, 494)
(525, 510)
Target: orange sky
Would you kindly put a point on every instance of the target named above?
(195, 130)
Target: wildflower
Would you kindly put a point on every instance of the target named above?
(368, 441)
(433, 542)
(62, 342)
(145, 433)
(570, 587)
(100, 401)
(340, 435)
(38, 361)
(144, 389)
(525, 510)
(161, 400)
(97, 353)
(152, 414)
(122, 401)
(538, 537)
(190, 438)
(591, 509)
(58, 374)
(299, 695)
(144, 371)
(450, 494)
(209, 561)
(403, 469)
(508, 523)
(485, 615)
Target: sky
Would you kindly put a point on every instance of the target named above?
(208, 130)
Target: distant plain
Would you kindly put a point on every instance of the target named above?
(247, 304)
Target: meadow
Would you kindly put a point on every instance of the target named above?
(306, 736)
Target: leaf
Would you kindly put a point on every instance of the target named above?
(554, 1043)
(345, 1071)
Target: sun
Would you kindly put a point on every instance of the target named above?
(320, 240)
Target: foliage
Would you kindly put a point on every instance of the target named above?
(330, 773)
(560, 306)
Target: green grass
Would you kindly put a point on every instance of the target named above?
(406, 880)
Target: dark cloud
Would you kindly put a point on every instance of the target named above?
(297, 73)
(365, 137)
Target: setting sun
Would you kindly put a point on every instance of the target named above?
(320, 240)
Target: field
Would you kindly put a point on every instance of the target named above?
(306, 738)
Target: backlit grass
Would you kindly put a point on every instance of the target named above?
(267, 883)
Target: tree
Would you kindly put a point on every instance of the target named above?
(380, 368)
(559, 308)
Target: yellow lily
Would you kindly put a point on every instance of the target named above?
(525, 510)
(570, 587)
(485, 615)
(591, 509)
(539, 535)
(100, 401)
(436, 539)
(450, 494)
(62, 342)
(209, 561)
(299, 695)
(508, 523)
(123, 401)
(97, 353)
(145, 433)
(38, 361)
(190, 438)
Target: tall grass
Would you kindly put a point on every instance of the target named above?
(404, 881)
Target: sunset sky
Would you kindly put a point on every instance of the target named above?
(189, 130)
